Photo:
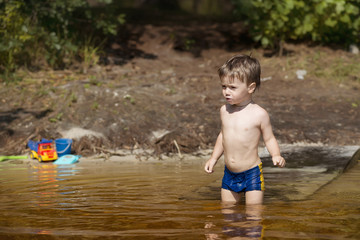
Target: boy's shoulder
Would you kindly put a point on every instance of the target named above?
(255, 108)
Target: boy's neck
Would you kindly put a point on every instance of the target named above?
(243, 103)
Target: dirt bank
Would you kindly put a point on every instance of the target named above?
(158, 90)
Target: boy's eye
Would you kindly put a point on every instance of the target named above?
(229, 87)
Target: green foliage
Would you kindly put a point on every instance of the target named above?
(326, 21)
(57, 118)
(32, 31)
(14, 32)
(89, 54)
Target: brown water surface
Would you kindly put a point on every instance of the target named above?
(169, 200)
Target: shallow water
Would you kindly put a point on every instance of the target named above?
(175, 200)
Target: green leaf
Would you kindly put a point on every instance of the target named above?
(24, 28)
(345, 19)
(257, 37)
(319, 8)
(57, 46)
(121, 18)
(330, 22)
(339, 7)
(265, 41)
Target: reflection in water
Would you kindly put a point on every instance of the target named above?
(243, 221)
(48, 185)
(48, 188)
(45, 175)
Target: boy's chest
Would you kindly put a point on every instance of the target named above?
(238, 121)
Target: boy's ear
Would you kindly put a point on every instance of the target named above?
(251, 87)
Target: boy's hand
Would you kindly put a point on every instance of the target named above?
(278, 161)
(209, 166)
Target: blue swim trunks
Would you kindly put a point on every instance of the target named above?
(248, 180)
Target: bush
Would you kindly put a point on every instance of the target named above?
(32, 31)
(325, 21)
(14, 33)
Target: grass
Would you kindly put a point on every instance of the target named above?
(338, 70)
(129, 98)
(57, 118)
(326, 64)
(90, 54)
(95, 106)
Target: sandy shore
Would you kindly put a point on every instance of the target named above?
(141, 155)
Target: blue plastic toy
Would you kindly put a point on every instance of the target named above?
(67, 159)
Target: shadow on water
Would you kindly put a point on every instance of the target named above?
(177, 200)
(307, 169)
(329, 212)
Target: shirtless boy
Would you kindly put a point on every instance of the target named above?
(243, 123)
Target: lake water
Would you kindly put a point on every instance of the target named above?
(177, 200)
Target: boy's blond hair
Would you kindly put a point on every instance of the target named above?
(243, 67)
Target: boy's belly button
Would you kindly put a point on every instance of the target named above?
(232, 161)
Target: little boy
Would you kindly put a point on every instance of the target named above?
(243, 123)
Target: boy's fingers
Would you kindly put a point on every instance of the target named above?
(208, 170)
(279, 162)
(282, 162)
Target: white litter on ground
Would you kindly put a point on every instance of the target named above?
(301, 74)
(77, 133)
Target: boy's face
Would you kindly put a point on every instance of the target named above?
(235, 91)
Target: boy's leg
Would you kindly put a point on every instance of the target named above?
(230, 196)
(254, 197)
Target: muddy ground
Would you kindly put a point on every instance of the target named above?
(157, 89)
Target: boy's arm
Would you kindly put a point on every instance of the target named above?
(216, 154)
(270, 141)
